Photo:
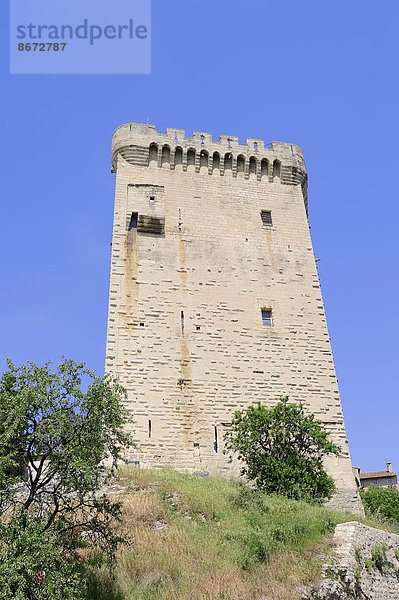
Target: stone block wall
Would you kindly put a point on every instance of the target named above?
(193, 265)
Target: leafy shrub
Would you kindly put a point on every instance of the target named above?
(384, 500)
(282, 449)
(379, 557)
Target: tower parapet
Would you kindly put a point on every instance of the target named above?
(143, 145)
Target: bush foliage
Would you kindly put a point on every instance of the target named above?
(282, 449)
(384, 500)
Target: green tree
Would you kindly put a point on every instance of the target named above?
(381, 499)
(61, 436)
(282, 449)
(33, 566)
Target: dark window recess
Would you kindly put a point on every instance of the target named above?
(149, 428)
(266, 317)
(182, 322)
(153, 225)
(215, 443)
(133, 221)
(196, 445)
(266, 216)
(197, 327)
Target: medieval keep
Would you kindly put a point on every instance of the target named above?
(215, 300)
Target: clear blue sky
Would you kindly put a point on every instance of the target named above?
(318, 74)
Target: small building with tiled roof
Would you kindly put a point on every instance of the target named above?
(385, 478)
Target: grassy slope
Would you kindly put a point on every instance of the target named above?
(222, 542)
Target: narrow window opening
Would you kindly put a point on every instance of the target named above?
(196, 445)
(264, 168)
(202, 139)
(149, 428)
(165, 156)
(276, 169)
(240, 165)
(182, 322)
(215, 443)
(179, 158)
(266, 216)
(266, 317)
(141, 324)
(191, 159)
(204, 160)
(153, 153)
(228, 162)
(197, 327)
(133, 221)
(256, 146)
(252, 166)
(152, 198)
(216, 161)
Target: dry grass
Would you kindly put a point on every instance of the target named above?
(221, 543)
(142, 508)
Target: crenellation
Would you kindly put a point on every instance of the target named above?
(277, 160)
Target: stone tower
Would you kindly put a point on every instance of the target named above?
(215, 300)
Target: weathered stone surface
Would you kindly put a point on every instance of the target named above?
(196, 256)
(346, 500)
(365, 565)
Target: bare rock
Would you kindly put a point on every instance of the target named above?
(159, 526)
(365, 565)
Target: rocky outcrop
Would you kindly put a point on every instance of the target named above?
(365, 565)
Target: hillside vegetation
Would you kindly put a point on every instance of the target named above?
(202, 538)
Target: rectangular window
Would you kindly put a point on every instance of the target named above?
(149, 428)
(267, 317)
(389, 480)
(266, 216)
(133, 221)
